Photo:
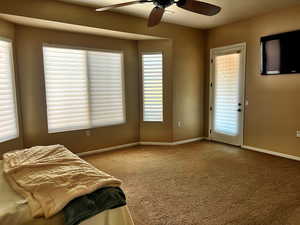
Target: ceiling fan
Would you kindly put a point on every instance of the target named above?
(157, 12)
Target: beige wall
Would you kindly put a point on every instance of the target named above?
(272, 116)
(31, 74)
(188, 87)
(187, 50)
(7, 30)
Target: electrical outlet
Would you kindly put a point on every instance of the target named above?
(298, 133)
(179, 124)
(88, 133)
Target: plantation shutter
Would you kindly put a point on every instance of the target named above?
(152, 64)
(66, 89)
(227, 81)
(106, 88)
(84, 89)
(8, 108)
(273, 54)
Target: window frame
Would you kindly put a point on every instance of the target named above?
(163, 89)
(71, 47)
(13, 80)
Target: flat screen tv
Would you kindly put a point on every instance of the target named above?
(281, 53)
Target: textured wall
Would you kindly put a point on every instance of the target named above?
(188, 87)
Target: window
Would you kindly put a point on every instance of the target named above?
(153, 86)
(84, 89)
(273, 57)
(8, 107)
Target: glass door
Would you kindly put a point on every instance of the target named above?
(227, 94)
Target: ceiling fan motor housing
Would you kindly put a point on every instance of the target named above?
(163, 3)
(181, 3)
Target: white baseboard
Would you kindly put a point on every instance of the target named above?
(156, 143)
(171, 143)
(188, 141)
(108, 149)
(138, 143)
(271, 152)
(184, 142)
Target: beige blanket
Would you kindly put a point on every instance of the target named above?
(50, 177)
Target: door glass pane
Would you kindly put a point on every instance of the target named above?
(226, 116)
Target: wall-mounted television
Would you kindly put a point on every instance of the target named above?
(281, 53)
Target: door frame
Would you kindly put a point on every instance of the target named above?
(226, 49)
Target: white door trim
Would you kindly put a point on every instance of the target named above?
(226, 49)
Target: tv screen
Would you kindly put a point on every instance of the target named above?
(281, 53)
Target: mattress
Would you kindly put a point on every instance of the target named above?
(15, 211)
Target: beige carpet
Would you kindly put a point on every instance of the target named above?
(205, 184)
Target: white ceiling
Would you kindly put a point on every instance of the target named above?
(232, 10)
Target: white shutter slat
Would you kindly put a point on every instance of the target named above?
(66, 85)
(106, 88)
(8, 108)
(152, 87)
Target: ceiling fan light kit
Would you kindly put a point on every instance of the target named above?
(158, 11)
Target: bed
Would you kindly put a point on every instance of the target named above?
(15, 211)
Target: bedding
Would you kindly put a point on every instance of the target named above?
(84, 207)
(14, 210)
(49, 177)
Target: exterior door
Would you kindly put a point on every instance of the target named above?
(227, 76)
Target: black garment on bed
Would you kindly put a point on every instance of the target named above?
(89, 205)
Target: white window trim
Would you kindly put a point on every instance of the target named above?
(163, 89)
(13, 78)
(122, 78)
(75, 47)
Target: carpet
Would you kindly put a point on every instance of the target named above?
(205, 183)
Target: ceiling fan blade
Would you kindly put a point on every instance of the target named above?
(155, 16)
(199, 7)
(121, 5)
